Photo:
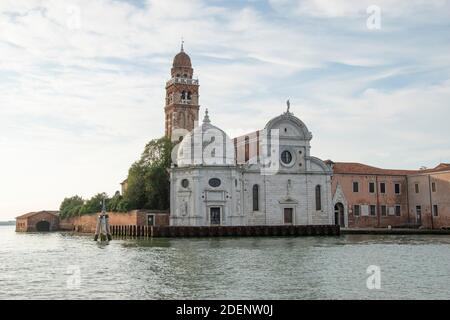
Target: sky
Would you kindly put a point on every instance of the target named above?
(82, 83)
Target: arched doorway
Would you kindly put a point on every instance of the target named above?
(339, 218)
(43, 226)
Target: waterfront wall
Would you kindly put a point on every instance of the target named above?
(224, 231)
(88, 223)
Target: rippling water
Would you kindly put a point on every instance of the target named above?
(44, 266)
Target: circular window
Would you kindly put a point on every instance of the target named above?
(286, 157)
(185, 183)
(214, 182)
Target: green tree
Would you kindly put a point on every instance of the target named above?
(148, 185)
(149, 179)
(94, 204)
(71, 207)
(113, 204)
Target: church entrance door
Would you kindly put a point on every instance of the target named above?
(215, 216)
(339, 218)
(288, 216)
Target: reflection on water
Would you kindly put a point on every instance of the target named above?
(40, 266)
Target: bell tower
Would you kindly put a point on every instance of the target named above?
(182, 103)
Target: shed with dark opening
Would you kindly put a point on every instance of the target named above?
(42, 221)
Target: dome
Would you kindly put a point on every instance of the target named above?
(206, 145)
(182, 60)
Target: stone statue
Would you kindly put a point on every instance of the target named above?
(184, 208)
(289, 188)
(288, 103)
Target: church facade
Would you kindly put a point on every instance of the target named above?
(270, 179)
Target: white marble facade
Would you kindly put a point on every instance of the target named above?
(269, 179)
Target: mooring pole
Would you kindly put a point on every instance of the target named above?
(103, 229)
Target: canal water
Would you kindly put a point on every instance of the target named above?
(67, 266)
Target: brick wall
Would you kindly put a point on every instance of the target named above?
(365, 198)
(29, 223)
(88, 223)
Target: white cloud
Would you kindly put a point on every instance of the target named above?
(78, 105)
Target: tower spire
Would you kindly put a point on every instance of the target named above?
(181, 103)
(206, 118)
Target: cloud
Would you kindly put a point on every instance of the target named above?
(82, 83)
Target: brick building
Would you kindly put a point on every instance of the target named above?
(42, 221)
(365, 196)
(182, 97)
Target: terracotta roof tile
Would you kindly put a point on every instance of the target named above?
(29, 214)
(359, 168)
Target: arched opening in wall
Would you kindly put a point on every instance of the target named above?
(318, 198)
(43, 226)
(339, 218)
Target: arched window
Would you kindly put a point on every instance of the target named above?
(318, 198)
(255, 197)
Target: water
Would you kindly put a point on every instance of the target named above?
(45, 266)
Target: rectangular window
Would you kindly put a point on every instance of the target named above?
(247, 149)
(356, 210)
(397, 188)
(416, 186)
(371, 187)
(383, 210)
(382, 187)
(373, 210)
(398, 211)
(355, 187)
(433, 186)
(435, 210)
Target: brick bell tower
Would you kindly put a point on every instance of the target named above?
(182, 105)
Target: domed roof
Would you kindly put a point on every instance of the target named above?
(182, 60)
(206, 145)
